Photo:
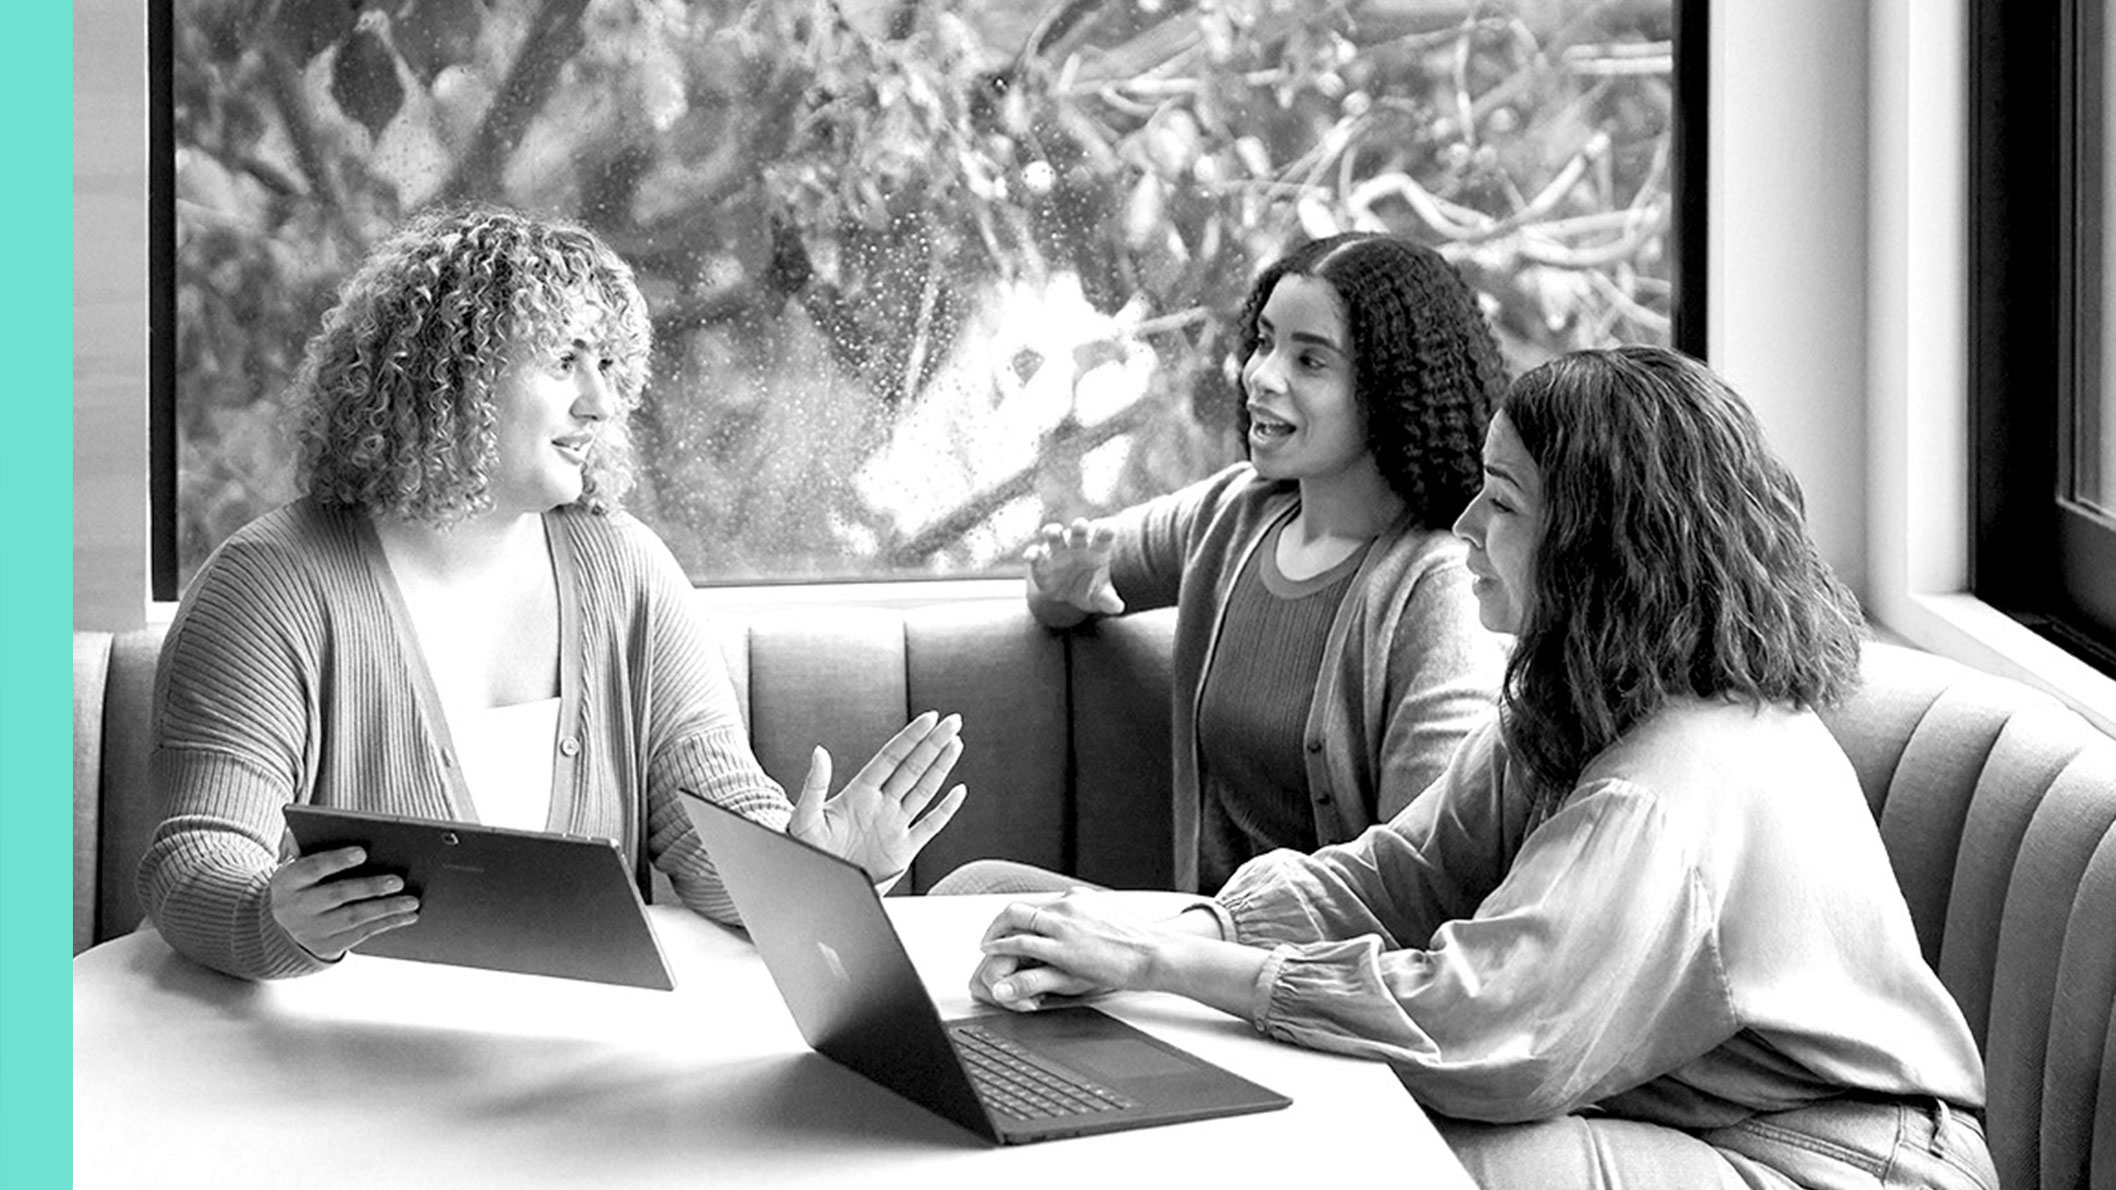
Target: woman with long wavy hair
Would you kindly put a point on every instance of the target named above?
(1643, 932)
(457, 622)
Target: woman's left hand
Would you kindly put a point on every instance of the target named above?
(1064, 947)
(874, 821)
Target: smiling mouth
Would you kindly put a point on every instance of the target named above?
(1265, 428)
(575, 449)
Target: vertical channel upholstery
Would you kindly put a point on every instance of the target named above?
(1123, 823)
(127, 812)
(1006, 676)
(1998, 808)
(91, 670)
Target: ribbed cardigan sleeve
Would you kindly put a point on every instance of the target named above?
(231, 744)
(1157, 541)
(694, 735)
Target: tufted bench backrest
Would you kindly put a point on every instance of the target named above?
(1998, 808)
(1067, 734)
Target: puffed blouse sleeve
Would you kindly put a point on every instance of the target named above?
(1506, 973)
(695, 738)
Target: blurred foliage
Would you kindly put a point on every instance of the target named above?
(924, 274)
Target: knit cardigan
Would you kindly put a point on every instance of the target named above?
(291, 673)
(1407, 671)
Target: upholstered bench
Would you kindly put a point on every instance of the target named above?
(1998, 807)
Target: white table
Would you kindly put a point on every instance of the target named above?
(387, 1073)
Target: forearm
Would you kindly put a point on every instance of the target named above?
(1219, 974)
(207, 896)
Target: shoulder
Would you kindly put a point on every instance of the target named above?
(1235, 498)
(619, 556)
(616, 537)
(294, 548)
(1418, 586)
(1722, 753)
(1413, 555)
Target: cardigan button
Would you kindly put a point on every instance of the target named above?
(568, 746)
(1314, 745)
(1323, 798)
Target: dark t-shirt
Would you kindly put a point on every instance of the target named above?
(1254, 708)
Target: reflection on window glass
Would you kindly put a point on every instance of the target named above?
(925, 274)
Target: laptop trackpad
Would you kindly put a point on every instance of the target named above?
(1118, 1060)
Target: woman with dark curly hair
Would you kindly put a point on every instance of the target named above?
(1643, 932)
(457, 623)
(1326, 644)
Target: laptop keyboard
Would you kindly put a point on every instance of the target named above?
(1017, 1083)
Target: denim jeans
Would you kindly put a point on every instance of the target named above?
(1837, 1144)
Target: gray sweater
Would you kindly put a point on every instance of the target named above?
(291, 673)
(1407, 672)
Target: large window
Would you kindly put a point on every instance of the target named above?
(2043, 318)
(924, 274)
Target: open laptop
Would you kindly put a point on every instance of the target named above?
(506, 900)
(852, 989)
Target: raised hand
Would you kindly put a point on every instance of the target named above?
(329, 917)
(1069, 565)
(875, 820)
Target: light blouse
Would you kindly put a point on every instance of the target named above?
(1705, 927)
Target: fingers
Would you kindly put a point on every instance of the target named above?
(934, 755)
(316, 880)
(808, 807)
(312, 869)
(936, 819)
(1024, 987)
(369, 918)
(921, 791)
(327, 912)
(1017, 917)
(900, 746)
(1081, 534)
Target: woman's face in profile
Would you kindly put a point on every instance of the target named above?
(1503, 526)
(551, 400)
(1304, 422)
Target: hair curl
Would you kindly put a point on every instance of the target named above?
(1674, 559)
(392, 406)
(1425, 368)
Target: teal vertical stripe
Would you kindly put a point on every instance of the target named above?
(36, 591)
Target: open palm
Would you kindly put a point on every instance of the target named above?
(875, 821)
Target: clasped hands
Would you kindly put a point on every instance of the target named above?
(1079, 945)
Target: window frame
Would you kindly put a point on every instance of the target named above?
(2034, 353)
(1687, 331)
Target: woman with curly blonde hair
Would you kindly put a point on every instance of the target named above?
(1327, 656)
(1643, 932)
(457, 622)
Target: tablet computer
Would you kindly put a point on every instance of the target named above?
(505, 900)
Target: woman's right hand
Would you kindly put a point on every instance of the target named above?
(329, 917)
(1069, 564)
